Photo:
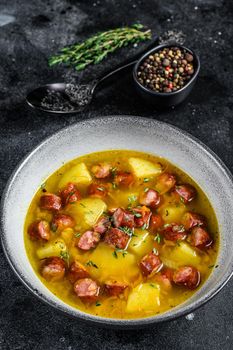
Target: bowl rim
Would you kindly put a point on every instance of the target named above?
(172, 93)
(97, 320)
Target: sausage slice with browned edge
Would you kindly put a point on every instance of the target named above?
(114, 288)
(88, 240)
(150, 264)
(61, 222)
(77, 271)
(39, 230)
(121, 218)
(50, 201)
(70, 194)
(116, 238)
(150, 198)
(53, 269)
(87, 289)
(187, 276)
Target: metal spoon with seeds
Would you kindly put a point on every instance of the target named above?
(68, 98)
(65, 98)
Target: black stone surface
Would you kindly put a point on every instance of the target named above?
(39, 29)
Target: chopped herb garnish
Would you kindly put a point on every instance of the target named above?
(42, 186)
(69, 196)
(132, 199)
(126, 230)
(134, 235)
(146, 179)
(210, 266)
(178, 243)
(113, 171)
(90, 212)
(114, 185)
(82, 205)
(117, 250)
(155, 251)
(153, 285)
(53, 227)
(144, 226)
(138, 215)
(90, 263)
(158, 238)
(64, 255)
(182, 199)
(97, 303)
(115, 254)
(77, 234)
(146, 189)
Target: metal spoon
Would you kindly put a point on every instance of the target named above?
(64, 98)
(68, 98)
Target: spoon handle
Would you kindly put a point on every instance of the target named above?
(126, 64)
(108, 75)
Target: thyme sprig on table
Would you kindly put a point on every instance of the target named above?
(97, 47)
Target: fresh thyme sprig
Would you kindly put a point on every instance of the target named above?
(97, 47)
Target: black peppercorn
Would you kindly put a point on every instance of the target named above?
(166, 70)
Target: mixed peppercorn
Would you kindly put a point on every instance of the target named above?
(166, 70)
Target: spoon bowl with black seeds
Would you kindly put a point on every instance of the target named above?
(165, 75)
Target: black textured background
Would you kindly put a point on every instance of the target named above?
(39, 29)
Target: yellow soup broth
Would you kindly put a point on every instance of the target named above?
(144, 295)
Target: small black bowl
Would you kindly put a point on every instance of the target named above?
(166, 99)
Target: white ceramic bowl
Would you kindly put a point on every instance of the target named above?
(118, 132)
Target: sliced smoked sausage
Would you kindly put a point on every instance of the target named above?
(123, 178)
(102, 225)
(87, 289)
(39, 230)
(186, 192)
(50, 201)
(200, 238)
(101, 170)
(70, 194)
(187, 276)
(165, 182)
(142, 216)
(121, 218)
(97, 190)
(53, 269)
(191, 219)
(114, 288)
(88, 240)
(150, 198)
(116, 238)
(150, 264)
(61, 222)
(173, 232)
(77, 271)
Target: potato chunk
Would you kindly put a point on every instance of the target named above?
(54, 248)
(118, 266)
(124, 198)
(87, 211)
(172, 213)
(144, 297)
(141, 243)
(67, 235)
(78, 174)
(144, 168)
(180, 255)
